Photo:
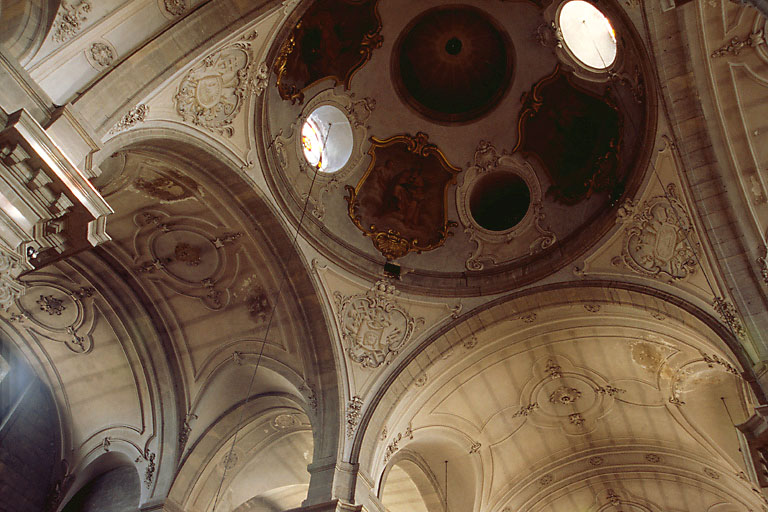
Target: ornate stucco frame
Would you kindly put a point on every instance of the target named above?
(389, 242)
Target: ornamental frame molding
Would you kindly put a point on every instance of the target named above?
(213, 92)
(654, 246)
(525, 238)
(390, 242)
(374, 327)
(357, 112)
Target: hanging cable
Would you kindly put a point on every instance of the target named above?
(283, 280)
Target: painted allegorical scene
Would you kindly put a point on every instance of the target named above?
(333, 40)
(400, 201)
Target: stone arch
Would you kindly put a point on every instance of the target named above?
(24, 24)
(30, 432)
(111, 480)
(218, 173)
(423, 478)
(710, 345)
(252, 433)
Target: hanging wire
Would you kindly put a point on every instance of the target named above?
(283, 280)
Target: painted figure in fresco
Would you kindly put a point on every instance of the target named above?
(404, 195)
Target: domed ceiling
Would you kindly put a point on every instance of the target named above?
(483, 148)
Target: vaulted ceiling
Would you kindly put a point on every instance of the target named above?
(260, 335)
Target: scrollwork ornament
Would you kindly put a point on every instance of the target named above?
(354, 407)
(528, 236)
(70, 20)
(136, 115)
(735, 45)
(212, 93)
(658, 237)
(374, 327)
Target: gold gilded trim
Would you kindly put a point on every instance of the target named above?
(370, 41)
(390, 242)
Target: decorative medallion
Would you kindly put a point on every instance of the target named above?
(166, 188)
(188, 254)
(564, 395)
(285, 421)
(69, 19)
(213, 91)
(374, 327)
(173, 8)
(325, 45)
(658, 237)
(258, 303)
(51, 304)
(101, 55)
(400, 202)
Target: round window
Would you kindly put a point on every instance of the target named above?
(499, 201)
(588, 34)
(326, 139)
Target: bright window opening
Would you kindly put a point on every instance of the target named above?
(326, 138)
(4, 368)
(588, 34)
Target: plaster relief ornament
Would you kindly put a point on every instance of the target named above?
(101, 55)
(173, 7)
(324, 45)
(10, 288)
(564, 395)
(136, 115)
(149, 471)
(354, 407)
(400, 202)
(658, 237)
(737, 44)
(374, 327)
(213, 91)
(69, 19)
(499, 201)
(261, 80)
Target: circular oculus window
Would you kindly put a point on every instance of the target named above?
(588, 34)
(499, 201)
(326, 138)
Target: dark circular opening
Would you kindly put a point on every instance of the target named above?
(453, 46)
(499, 201)
(452, 63)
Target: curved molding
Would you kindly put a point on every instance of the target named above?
(634, 296)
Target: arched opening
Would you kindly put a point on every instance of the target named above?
(29, 435)
(543, 391)
(114, 485)
(252, 331)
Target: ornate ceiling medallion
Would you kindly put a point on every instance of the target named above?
(324, 44)
(212, 93)
(400, 202)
